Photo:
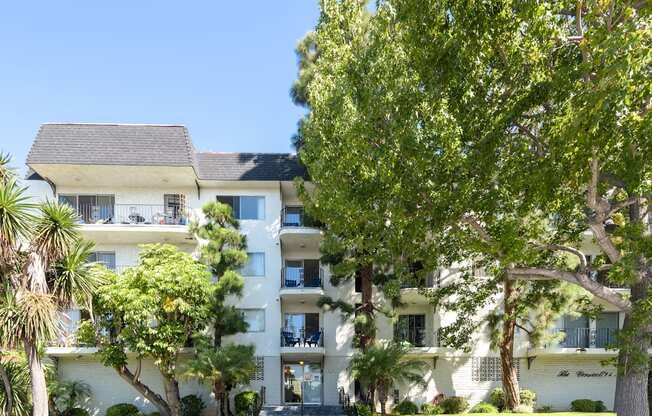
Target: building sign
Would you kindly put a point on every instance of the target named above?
(584, 374)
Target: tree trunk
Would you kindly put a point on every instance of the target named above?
(37, 377)
(632, 379)
(144, 390)
(382, 398)
(366, 275)
(9, 404)
(218, 391)
(509, 376)
(172, 395)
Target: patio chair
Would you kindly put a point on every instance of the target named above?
(289, 340)
(313, 339)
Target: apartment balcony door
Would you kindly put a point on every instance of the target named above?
(302, 325)
(577, 332)
(606, 327)
(302, 381)
(412, 329)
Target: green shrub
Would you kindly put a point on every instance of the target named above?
(247, 403)
(454, 404)
(544, 409)
(523, 408)
(483, 408)
(76, 411)
(86, 333)
(362, 409)
(526, 397)
(587, 405)
(192, 405)
(406, 407)
(123, 409)
(431, 409)
(154, 414)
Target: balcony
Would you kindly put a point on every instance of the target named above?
(302, 343)
(302, 283)
(299, 230)
(134, 223)
(587, 337)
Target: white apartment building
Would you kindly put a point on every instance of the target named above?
(134, 184)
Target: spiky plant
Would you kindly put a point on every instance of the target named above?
(14, 386)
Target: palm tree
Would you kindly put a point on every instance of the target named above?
(39, 278)
(385, 365)
(223, 368)
(14, 389)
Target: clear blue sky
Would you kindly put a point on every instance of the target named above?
(222, 68)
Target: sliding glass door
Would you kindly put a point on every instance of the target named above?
(302, 381)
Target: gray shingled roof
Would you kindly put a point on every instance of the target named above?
(249, 166)
(112, 144)
(154, 145)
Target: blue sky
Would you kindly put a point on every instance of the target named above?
(222, 68)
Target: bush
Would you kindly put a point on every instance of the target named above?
(123, 409)
(431, 409)
(154, 414)
(192, 405)
(523, 408)
(454, 404)
(483, 408)
(86, 333)
(497, 398)
(406, 407)
(247, 403)
(76, 411)
(587, 405)
(544, 409)
(362, 409)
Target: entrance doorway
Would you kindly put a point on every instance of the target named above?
(302, 380)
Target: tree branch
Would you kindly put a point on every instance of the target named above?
(149, 394)
(623, 204)
(580, 279)
(600, 208)
(574, 251)
(481, 231)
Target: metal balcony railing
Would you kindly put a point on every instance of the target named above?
(587, 338)
(133, 214)
(299, 278)
(431, 281)
(291, 337)
(296, 217)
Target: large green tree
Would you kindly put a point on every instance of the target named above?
(39, 275)
(507, 129)
(153, 310)
(223, 250)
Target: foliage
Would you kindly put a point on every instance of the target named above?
(192, 405)
(406, 407)
(587, 405)
(431, 409)
(248, 403)
(76, 411)
(17, 372)
(85, 334)
(362, 409)
(385, 365)
(497, 398)
(523, 408)
(483, 407)
(544, 409)
(454, 404)
(69, 394)
(123, 409)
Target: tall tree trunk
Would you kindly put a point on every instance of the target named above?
(218, 391)
(172, 395)
(510, 379)
(9, 394)
(366, 275)
(144, 390)
(37, 377)
(382, 398)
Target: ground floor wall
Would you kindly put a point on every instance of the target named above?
(557, 380)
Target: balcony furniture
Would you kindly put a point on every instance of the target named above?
(293, 283)
(289, 340)
(314, 339)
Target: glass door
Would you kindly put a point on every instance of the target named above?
(302, 380)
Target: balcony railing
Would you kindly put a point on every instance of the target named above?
(430, 282)
(301, 338)
(587, 337)
(296, 217)
(299, 278)
(133, 214)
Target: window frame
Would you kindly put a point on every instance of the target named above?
(238, 213)
(241, 271)
(261, 310)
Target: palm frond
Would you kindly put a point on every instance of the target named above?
(18, 373)
(15, 220)
(10, 330)
(38, 316)
(76, 280)
(55, 232)
(6, 172)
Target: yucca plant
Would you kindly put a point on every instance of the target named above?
(42, 273)
(14, 385)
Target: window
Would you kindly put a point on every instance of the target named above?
(91, 208)
(412, 329)
(245, 207)
(255, 319)
(488, 369)
(107, 258)
(175, 208)
(255, 265)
